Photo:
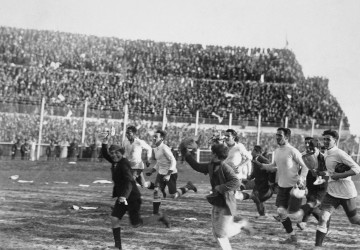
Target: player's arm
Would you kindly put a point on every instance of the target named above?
(271, 167)
(246, 156)
(347, 160)
(304, 169)
(199, 167)
(232, 183)
(148, 150)
(104, 149)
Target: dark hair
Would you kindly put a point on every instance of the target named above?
(233, 133)
(308, 138)
(115, 147)
(332, 133)
(258, 148)
(287, 131)
(161, 132)
(220, 150)
(132, 129)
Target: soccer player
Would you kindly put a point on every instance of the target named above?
(315, 161)
(167, 172)
(239, 159)
(223, 180)
(264, 181)
(288, 163)
(341, 189)
(126, 192)
(133, 152)
(16, 149)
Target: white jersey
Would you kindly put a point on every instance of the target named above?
(165, 160)
(240, 160)
(133, 152)
(343, 188)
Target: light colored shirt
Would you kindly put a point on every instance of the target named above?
(240, 160)
(133, 152)
(343, 188)
(288, 161)
(165, 160)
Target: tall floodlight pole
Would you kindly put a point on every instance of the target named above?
(40, 128)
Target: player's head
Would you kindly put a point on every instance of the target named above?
(283, 136)
(230, 137)
(330, 138)
(116, 152)
(307, 142)
(257, 150)
(159, 137)
(219, 151)
(131, 132)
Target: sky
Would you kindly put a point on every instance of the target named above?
(324, 34)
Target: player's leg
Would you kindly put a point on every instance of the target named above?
(157, 197)
(178, 192)
(259, 198)
(349, 206)
(282, 203)
(118, 212)
(328, 205)
(135, 217)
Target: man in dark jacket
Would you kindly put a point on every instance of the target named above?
(264, 181)
(126, 192)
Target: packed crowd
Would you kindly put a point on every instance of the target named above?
(300, 102)
(102, 54)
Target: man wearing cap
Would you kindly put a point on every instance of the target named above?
(315, 161)
(126, 192)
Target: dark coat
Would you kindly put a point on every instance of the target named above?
(224, 177)
(124, 183)
(262, 177)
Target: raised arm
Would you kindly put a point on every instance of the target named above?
(199, 167)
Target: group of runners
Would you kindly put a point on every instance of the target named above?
(230, 167)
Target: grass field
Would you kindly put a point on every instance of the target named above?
(40, 215)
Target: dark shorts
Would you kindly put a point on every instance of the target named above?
(171, 184)
(287, 201)
(314, 195)
(133, 208)
(330, 203)
(263, 195)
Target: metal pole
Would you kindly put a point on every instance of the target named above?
(258, 130)
(126, 117)
(339, 131)
(230, 120)
(197, 122)
(84, 123)
(358, 154)
(312, 127)
(40, 128)
(164, 120)
(286, 121)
